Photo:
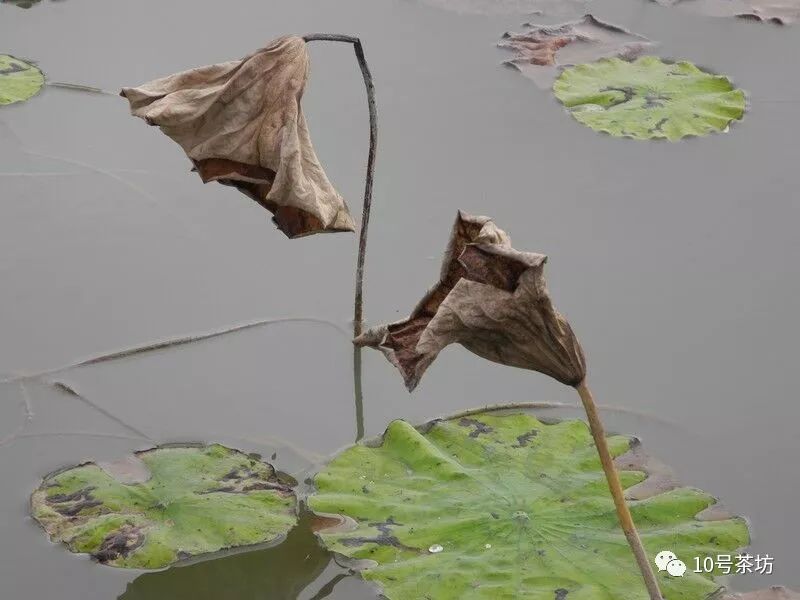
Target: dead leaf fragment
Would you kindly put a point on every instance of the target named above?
(492, 300)
(779, 12)
(541, 49)
(241, 124)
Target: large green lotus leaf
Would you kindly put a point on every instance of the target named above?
(649, 98)
(165, 504)
(19, 80)
(505, 506)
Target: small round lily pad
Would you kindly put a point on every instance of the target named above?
(19, 80)
(649, 98)
(165, 504)
(491, 506)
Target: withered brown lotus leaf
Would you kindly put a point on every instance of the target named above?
(541, 49)
(779, 12)
(492, 300)
(241, 124)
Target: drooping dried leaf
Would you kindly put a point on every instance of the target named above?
(541, 49)
(779, 12)
(241, 124)
(492, 300)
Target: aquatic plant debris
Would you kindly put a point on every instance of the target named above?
(241, 124)
(19, 80)
(550, 8)
(541, 49)
(778, 12)
(492, 300)
(649, 98)
(21, 3)
(165, 504)
(514, 521)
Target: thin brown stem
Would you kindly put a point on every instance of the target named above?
(623, 513)
(358, 317)
(359, 395)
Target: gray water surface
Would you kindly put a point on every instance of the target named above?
(677, 263)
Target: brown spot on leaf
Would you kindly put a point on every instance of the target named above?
(478, 426)
(120, 543)
(385, 537)
(13, 68)
(242, 480)
(70, 505)
(524, 439)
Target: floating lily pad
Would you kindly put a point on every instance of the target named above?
(649, 98)
(164, 504)
(541, 49)
(19, 80)
(492, 506)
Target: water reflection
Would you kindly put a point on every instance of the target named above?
(283, 571)
(23, 3)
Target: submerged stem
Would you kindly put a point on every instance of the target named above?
(623, 513)
(358, 308)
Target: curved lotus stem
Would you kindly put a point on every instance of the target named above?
(623, 513)
(358, 316)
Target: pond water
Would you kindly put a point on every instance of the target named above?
(677, 264)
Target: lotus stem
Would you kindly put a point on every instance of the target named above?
(358, 317)
(623, 513)
(359, 396)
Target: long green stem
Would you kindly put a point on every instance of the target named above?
(358, 317)
(623, 513)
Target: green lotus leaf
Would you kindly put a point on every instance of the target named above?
(19, 80)
(649, 98)
(164, 504)
(496, 506)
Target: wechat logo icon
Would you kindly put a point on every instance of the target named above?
(667, 561)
